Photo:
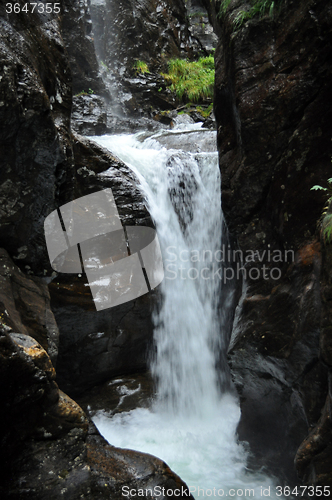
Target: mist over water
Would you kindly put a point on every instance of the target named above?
(192, 423)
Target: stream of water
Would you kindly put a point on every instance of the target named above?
(192, 423)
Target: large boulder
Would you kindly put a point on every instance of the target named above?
(149, 31)
(49, 450)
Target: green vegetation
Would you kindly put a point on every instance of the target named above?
(191, 81)
(327, 214)
(258, 8)
(89, 92)
(205, 112)
(141, 67)
(223, 7)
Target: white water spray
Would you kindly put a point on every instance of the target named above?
(191, 425)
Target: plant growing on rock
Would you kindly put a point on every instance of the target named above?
(141, 67)
(258, 8)
(191, 81)
(327, 213)
(83, 92)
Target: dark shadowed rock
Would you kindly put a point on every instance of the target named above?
(76, 26)
(36, 164)
(97, 345)
(89, 115)
(25, 306)
(199, 25)
(138, 30)
(273, 111)
(117, 468)
(313, 458)
(120, 394)
(47, 450)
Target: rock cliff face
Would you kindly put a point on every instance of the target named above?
(273, 110)
(36, 157)
(150, 31)
(76, 30)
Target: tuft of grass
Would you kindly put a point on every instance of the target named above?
(191, 81)
(223, 8)
(141, 67)
(83, 92)
(258, 8)
(327, 228)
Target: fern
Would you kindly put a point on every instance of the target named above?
(327, 228)
(191, 81)
(141, 67)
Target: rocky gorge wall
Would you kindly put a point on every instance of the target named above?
(273, 112)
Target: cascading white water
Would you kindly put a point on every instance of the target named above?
(192, 424)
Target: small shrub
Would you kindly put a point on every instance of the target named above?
(327, 213)
(141, 67)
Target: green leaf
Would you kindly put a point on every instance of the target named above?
(318, 188)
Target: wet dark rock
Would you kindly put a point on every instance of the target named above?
(113, 468)
(313, 458)
(148, 93)
(96, 346)
(273, 111)
(159, 29)
(199, 24)
(91, 160)
(33, 413)
(120, 394)
(45, 447)
(76, 26)
(203, 140)
(89, 115)
(25, 306)
(36, 163)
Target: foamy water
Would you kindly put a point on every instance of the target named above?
(192, 423)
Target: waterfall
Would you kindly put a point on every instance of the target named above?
(192, 423)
